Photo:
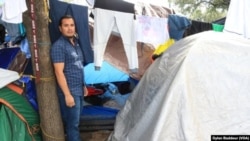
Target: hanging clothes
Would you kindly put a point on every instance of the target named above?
(238, 20)
(105, 21)
(12, 30)
(197, 27)
(177, 26)
(217, 27)
(151, 30)
(80, 14)
(12, 11)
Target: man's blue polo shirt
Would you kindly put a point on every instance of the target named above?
(62, 51)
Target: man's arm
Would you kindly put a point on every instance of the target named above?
(61, 80)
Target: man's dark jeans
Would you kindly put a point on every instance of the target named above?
(71, 117)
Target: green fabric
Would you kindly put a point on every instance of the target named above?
(12, 128)
(218, 27)
(10, 121)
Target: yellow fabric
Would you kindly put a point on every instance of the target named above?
(163, 47)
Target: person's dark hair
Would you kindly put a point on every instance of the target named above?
(65, 17)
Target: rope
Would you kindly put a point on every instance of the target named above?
(20, 116)
(41, 78)
(35, 128)
(41, 43)
(46, 9)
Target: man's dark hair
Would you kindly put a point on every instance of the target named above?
(65, 17)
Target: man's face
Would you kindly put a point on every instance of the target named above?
(68, 27)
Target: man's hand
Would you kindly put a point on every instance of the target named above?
(85, 91)
(70, 102)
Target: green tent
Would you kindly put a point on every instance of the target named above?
(18, 120)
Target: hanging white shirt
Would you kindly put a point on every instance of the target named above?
(151, 30)
(238, 19)
(12, 11)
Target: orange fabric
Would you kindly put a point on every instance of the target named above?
(15, 88)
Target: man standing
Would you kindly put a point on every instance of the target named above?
(67, 58)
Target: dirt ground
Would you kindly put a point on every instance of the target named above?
(101, 135)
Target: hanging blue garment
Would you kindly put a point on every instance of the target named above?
(80, 14)
(177, 26)
(7, 55)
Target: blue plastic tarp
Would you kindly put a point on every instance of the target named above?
(108, 73)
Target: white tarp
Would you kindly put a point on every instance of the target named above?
(7, 76)
(198, 88)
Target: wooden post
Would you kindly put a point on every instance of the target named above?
(36, 22)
